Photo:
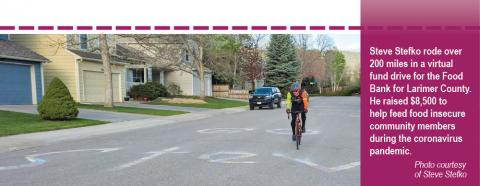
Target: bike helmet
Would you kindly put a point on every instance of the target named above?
(295, 87)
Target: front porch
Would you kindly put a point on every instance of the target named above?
(142, 73)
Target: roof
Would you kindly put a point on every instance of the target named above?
(12, 50)
(87, 55)
(94, 56)
(123, 54)
(130, 53)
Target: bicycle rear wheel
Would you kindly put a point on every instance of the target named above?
(298, 133)
(299, 137)
(298, 141)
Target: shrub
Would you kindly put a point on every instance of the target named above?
(346, 92)
(310, 85)
(174, 90)
(57, 103)
(148, 90)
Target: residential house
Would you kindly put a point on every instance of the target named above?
(21, 79)
(74, 59)
(177, 68)
(139, 71)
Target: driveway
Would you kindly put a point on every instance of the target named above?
(237, 148)
(83, 113)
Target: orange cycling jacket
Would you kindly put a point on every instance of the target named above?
(303, 96)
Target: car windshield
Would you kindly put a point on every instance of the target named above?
(263, 91)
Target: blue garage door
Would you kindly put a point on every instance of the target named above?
(15, 84)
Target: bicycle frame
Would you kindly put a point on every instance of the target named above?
(298, 127)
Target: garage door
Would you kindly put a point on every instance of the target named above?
(15, 84)
(94, 84)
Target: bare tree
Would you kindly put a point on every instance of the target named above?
(193, 44)
(104, 50)
(324, 43)
(167, 51)
(163, 51)
(256, 41)
(303, 41)
(106, 70)
(251, 65)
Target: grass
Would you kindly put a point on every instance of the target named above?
(134, 110)
(12, 123)
(212, 103)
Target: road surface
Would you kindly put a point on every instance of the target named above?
(244, 148)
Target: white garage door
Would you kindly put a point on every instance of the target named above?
(94, 84)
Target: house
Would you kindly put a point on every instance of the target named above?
(139, 70)
(73, 59)
(21, 79)
(177, 68)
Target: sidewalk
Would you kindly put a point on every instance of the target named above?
(161, 107)
(23, 141)
(233, 99)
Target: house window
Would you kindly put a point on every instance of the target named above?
(187, 56)
(137, 75)
(4, 37)
(97, 43)
(83, 41)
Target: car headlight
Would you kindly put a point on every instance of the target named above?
(250, 96)
(268, 97)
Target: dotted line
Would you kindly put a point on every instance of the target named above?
(238, 27)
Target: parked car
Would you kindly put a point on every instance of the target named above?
(265, 97)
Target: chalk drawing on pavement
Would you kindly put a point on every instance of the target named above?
(318, 166)
(35, 160)
(228, 157)
(224, 130)
(151, 156)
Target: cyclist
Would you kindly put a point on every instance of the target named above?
(297, 101)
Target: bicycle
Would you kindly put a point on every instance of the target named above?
(298, 127)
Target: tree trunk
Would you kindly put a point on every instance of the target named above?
(201, 73)
(107, 70)
(201, 76)
(234, 71)
(339, 80)
(332, 83)
(253, 84)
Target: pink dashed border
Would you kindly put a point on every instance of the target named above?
(234, 28)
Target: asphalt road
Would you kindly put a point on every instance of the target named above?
(256, 150)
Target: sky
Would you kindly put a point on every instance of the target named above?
(344, 42)
(347, 42)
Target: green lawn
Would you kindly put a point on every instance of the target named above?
(212, 103)
(18, 123)
(134, 110)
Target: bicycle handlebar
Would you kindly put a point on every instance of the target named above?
(294, 112)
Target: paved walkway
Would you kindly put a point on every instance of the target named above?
(161, 107)
(83, 113)
(233, 99)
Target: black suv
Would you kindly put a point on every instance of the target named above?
(265, 96)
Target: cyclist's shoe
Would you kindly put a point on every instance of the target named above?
(294, 138)
(303, 130)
